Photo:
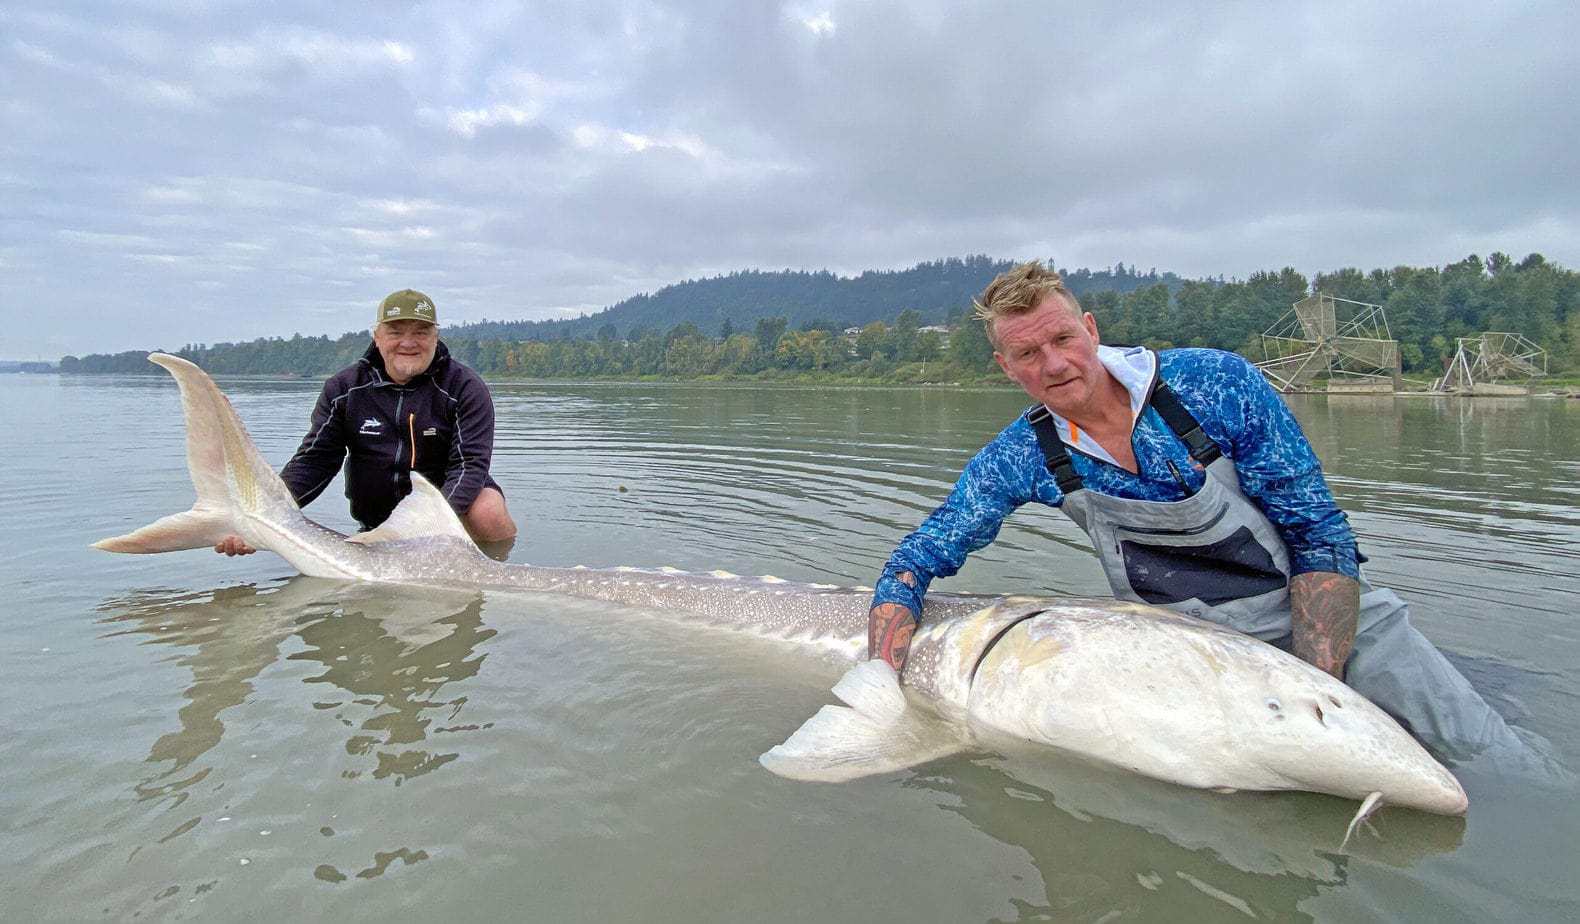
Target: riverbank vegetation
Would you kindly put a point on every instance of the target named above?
(915, 325)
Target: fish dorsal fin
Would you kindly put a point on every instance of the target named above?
(422, 514)
(877, 733)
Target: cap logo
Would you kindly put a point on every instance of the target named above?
(407, 304)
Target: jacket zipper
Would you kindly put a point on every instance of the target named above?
(400, 402)
(1177, 476)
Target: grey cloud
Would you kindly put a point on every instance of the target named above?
(227, 171)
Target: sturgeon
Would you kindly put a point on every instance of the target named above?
(1124, 684)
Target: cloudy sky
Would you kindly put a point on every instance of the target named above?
(207, 171)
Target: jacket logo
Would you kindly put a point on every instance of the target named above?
(431, 431)
(372, 426)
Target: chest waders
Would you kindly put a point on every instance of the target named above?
(1216, 556)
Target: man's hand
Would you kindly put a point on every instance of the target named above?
(889, 630)
(233, 545)
(1323, 610)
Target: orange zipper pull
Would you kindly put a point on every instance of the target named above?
(411, 431)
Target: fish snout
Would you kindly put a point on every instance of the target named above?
(1334, 740)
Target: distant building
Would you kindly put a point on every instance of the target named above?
(942, 330)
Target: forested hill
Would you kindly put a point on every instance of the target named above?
(936, 291)
(766, 324)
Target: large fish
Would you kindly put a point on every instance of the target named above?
(1126, 684)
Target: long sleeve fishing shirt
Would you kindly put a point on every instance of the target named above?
(1236, 408)
(440, 424)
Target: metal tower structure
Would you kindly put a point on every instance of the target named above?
(1484, 364)
(1321, 336)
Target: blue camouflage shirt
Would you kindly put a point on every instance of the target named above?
(1236, 408)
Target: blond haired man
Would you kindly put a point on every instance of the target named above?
(1200, 494)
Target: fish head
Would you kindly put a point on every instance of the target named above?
(1183, 700)
(1322, 735)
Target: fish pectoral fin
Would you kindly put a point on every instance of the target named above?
(190, 529)
(872, 687)
(421, 514)
(877, 733)
(1372, 803)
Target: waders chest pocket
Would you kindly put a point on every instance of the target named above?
(1232, 568)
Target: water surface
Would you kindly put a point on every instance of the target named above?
(189, 736)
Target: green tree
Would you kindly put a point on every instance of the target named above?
(1415, 314)
(794, 350)
(648, 355)
(1195, 315)
(1148, 312)
(683, 331)
(969, 347)
(1106, 308)
(739, 355)
(901, 341)
(690, 357)
(768, 332)
(871, 340)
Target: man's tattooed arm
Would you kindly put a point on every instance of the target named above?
(889, 630)
(1324, 607)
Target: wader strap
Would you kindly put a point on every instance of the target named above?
(1201, 446)
(1054, 454)
(1057, 457)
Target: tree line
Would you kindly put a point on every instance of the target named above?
(1427, 308)
(936, 290)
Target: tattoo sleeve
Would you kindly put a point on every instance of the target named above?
(1324, 608)
(889, 630)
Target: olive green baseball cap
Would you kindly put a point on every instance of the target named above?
(407, 305)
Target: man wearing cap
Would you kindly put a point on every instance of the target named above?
(406, 406)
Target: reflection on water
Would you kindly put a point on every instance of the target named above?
(1108, 843)
(224, 656)
(395, 667)
(388, 656)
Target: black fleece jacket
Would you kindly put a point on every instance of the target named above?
(440, 423)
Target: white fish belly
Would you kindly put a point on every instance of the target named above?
(1157, 695)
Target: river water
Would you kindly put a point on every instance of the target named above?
(192, 737)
